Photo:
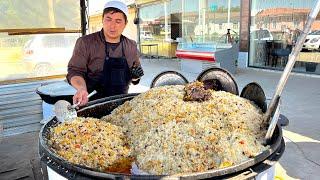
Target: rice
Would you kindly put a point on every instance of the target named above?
(93, 143)
(168, 135)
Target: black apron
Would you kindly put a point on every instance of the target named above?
(115, 78)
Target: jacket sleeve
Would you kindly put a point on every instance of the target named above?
(77, 65)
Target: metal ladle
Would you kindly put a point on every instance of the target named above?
(64, 111)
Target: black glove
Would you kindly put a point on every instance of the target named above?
(136, 72)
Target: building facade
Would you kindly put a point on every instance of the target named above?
(267, 30)
(270, 29)
(167, 24)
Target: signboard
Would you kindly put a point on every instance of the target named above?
(213, 7)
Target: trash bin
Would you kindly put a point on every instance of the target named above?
(50, 94)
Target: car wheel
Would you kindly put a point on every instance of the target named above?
(43, 69)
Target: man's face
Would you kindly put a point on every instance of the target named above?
(113, 25)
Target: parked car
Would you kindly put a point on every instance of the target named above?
(261, 34)
(48, 54)
(312, 42)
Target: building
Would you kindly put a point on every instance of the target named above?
(281, 23)
(172, 23)
(266, 30)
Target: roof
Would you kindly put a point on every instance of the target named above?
(282, 11)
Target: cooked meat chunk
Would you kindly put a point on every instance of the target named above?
(196, 92)
(213, 84)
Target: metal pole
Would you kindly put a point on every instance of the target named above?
(203, 12)
(83, 17)
(138, 27)
(199, 12)
(285, 75)
(229, 10)
(51, 14)
(183, 35)
(166, 26)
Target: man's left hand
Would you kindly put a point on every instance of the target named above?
(136, 72)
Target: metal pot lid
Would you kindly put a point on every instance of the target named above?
(255, 93)
(218, 79)
(168, 78)
(60, 88)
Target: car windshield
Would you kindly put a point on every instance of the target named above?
(53, 41)
(59, 41)
(315, 33)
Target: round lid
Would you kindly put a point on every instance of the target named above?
(168, 78)
(61, 88)
(218, 79)
(255, 93)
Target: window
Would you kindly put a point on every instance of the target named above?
(207, 20)
(235, 26)
(274, 25)
(155, 22)
(22, 52)
(280, 33)
(296, 23)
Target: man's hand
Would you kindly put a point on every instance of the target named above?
(136, 72)
(81, 97)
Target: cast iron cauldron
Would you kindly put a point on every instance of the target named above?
(101, 107)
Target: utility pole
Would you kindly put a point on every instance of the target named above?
(229, 9)
(51, 14)
(166, 26)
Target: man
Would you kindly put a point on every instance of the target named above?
(105, 61)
